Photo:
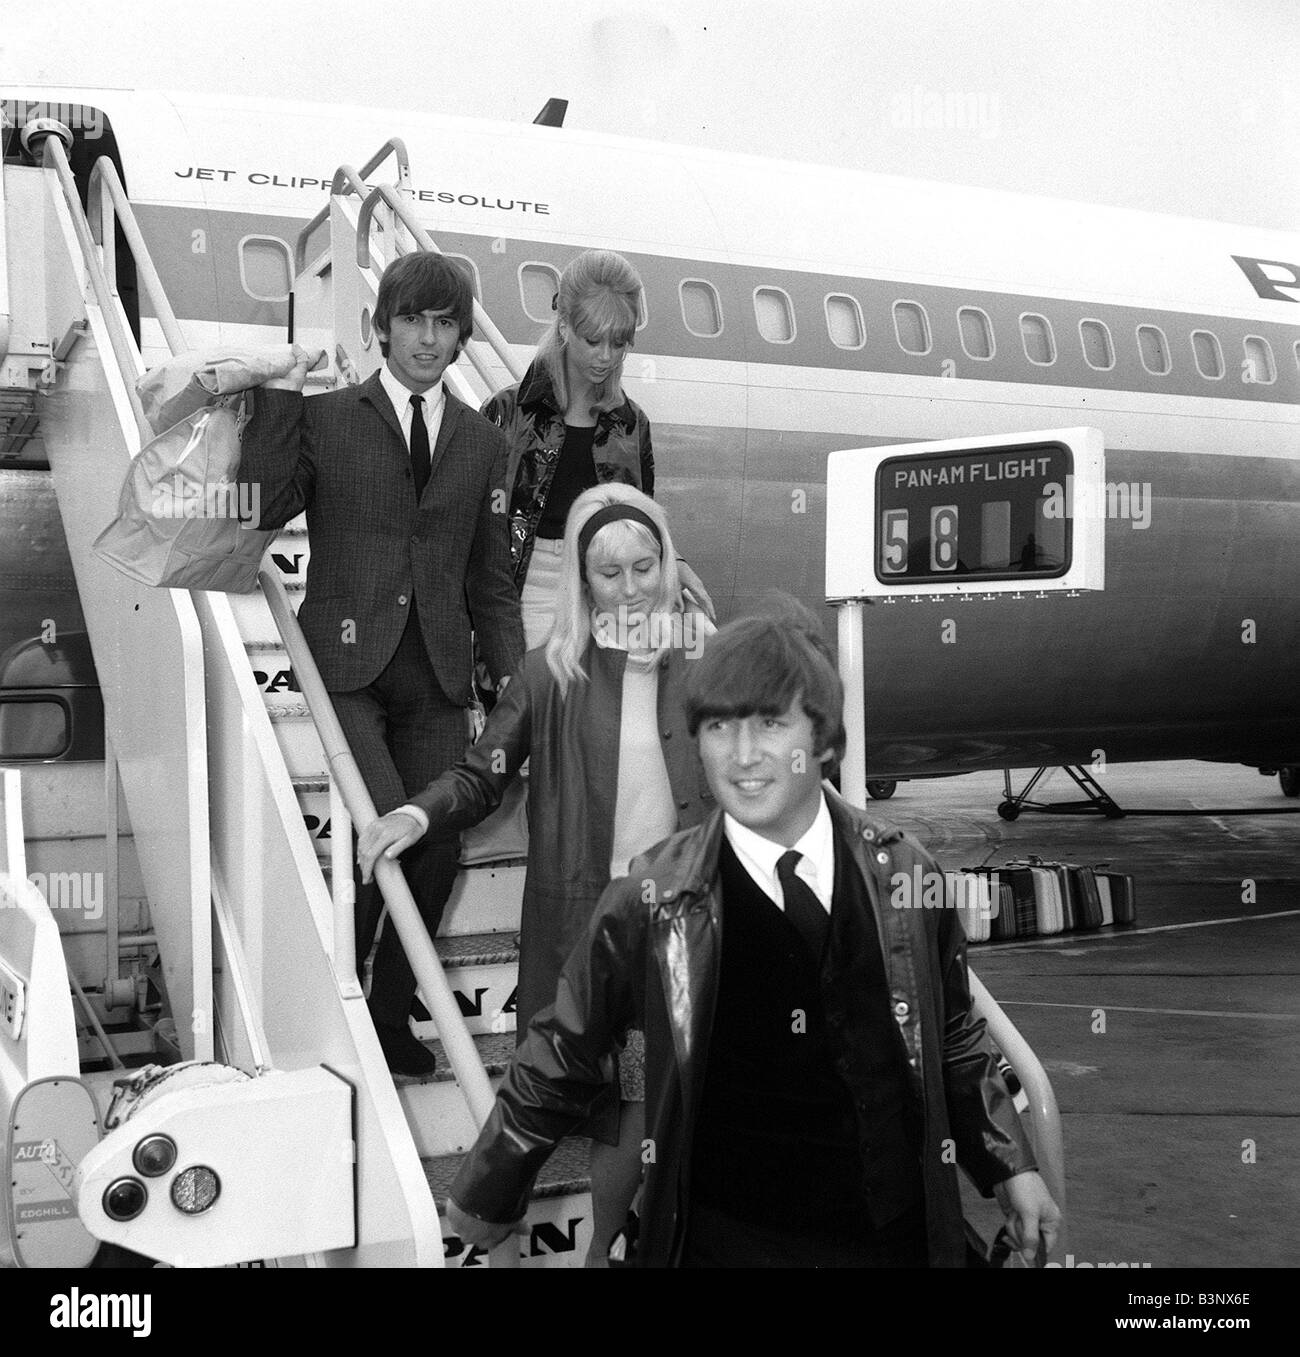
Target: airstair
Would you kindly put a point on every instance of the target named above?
(240, 828)
(241, 797)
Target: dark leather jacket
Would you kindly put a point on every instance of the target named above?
(534, 425)
(652, 951)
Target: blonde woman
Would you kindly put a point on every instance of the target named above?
(613, 770)
(571, 427)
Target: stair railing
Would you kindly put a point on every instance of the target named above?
(111, 207)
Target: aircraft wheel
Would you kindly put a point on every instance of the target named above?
(881, 789)
(1008, 810)
(1289, 777)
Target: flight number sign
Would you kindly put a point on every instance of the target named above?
(990, 515)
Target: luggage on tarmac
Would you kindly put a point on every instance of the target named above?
(1117, 900)
(1032, 898)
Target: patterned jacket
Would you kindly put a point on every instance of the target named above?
(534, 426)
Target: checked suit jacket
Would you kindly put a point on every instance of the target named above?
(375, 552)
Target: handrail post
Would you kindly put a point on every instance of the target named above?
(343, 891)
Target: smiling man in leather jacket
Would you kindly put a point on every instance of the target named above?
(813, 1067)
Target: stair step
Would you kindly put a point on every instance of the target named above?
(566, 1173)
(436, 1110)
(559, 1214)
(482, 970)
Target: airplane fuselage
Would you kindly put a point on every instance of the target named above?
(794, 310)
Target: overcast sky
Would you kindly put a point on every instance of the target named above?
(1187, 107)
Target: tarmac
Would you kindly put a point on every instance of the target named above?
(1173, 1046)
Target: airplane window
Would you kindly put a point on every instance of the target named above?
(1208, 355)
(775, 315)
(912, 326)
(701, 308)
(1258, 366)
(976, 332)
(538, 286)
(266, 268)
(33, 729)
(1036, 334)
(471, 268)
(1097, 350)
(844, 321)
(1154, 349)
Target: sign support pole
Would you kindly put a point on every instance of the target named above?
(853, 767)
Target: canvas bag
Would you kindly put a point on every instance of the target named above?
(182, 519)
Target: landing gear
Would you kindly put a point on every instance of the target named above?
(881, 789)
(1097, 801)
(1289, 778)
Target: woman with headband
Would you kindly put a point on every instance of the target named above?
(571, 426)
(612, 767)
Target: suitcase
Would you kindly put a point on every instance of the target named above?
(1041, 893)
(1002, 922)
(1119, 900)
(1050, 899)
(1087, 898)
(972, 896)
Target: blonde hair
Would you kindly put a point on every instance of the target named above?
(572, 630)
(600, 294)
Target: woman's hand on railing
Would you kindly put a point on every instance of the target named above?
(296, 378)
(1032, 1215)
(692, 582)
(390, 835)
(481, 1234)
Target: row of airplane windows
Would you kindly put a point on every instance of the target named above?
(264, 261)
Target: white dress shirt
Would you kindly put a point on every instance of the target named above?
(400, 396)
(759, 856)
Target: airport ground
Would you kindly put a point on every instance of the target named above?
(1173, 1046)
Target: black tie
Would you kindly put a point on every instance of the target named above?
(802, 907)
(420, 460)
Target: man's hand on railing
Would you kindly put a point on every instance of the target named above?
(1031, 1214)
(480, 1233)
(390, 835)
(296, 379)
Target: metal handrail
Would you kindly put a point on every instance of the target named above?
(1049, 1144)
(119, 337)
(456, 1040)
(116, 206)
(483, 323)
(354, 179)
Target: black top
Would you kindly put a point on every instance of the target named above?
(575, 472)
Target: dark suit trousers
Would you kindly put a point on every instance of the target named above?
(403, 733)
